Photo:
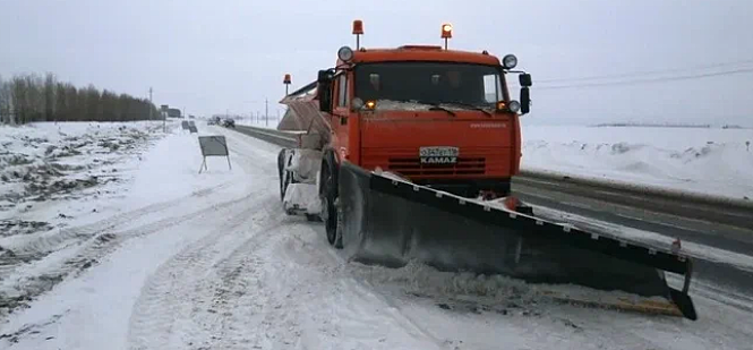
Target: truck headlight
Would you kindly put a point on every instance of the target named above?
(513, 106)
(357, 104)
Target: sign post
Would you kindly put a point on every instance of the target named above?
(213, 146)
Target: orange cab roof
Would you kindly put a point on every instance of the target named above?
(423, 53)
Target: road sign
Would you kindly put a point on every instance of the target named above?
(213, 146)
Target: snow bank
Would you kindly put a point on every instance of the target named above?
(46, 165)
(709, 161)
(419, 278)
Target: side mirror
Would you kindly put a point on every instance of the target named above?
(325, 76)
(324, 90)
(525, 80)
(525, 100)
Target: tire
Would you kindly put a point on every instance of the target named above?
(285, 185)
(280, 167)
(338, 226)
(328, 194)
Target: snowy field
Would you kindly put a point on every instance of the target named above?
(173, 259)
(709, 161)
(55, 174)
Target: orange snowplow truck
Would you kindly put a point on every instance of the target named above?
(442, 118)
(395, 147)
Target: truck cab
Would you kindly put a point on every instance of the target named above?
(438, 117)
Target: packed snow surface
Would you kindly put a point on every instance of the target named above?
(174, 259)
(705, 160)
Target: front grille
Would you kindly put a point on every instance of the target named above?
(413, 167)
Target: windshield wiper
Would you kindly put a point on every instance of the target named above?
(434, 106)
(468, 105)
(437, 107)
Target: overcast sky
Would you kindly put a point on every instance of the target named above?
(212, 56)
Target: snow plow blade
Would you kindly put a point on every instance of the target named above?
(389, 222)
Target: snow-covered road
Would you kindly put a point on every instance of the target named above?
(209, 261)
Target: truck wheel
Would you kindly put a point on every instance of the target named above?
(280, 167)
(285, 184)
(328, 193)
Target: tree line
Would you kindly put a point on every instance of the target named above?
(32, 98)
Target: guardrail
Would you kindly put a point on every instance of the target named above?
(277, 137)
(737, 212)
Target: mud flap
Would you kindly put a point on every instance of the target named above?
(390, 222)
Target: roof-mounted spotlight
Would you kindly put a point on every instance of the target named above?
(345, 54)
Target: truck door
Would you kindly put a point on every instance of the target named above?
(341, 115)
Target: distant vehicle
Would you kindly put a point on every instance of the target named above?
(174, 113)
(214, 121)
(228, 123)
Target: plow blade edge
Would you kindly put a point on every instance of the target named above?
(390, 222)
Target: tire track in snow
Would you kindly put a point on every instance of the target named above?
(267, 286)
(18, 291)
(171, 296)
(14, 257)
(351, 317)
(238, 298)
(311, 301)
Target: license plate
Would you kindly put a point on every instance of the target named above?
(439, 155)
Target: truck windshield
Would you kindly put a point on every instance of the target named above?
(429, 83)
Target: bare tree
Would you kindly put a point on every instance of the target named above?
(93, 103)
(109, 106)
(49, 97)
(19, 100)
(34, 99)
(61, 102)
(30, 98)
(5, 101)
(75, 111)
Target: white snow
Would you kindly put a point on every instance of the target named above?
(304, 197)
(302, 170)
(182, 260)
(389, 105)
(305, 164)
(42, 165)
(710, 161)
